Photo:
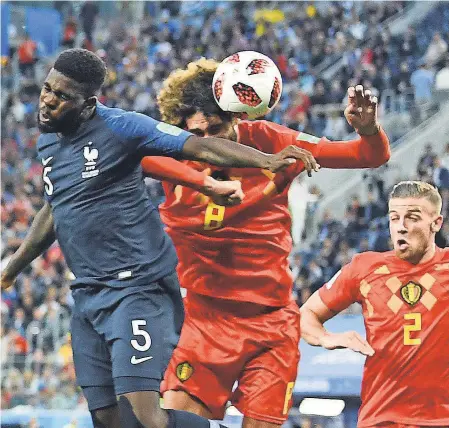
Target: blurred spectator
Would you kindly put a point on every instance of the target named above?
(296, 114)
(445, 157)
(373, 209)
(70, 30)
(335, 126)
(27, 54)
(435, 51)
(316, 276)
(426, 162)
(298, 268)
(409, 45)
(440, 175)
(422, 82)
(88, 16)
(442, 82)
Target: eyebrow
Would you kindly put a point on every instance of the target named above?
(193, 130)
(411, 210)
(67, 94)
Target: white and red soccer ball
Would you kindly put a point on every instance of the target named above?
(247, 82)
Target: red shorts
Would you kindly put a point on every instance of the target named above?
(223, 342)
(395, 425)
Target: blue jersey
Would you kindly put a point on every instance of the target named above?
(108, 230)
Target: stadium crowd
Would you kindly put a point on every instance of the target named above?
(300, 37)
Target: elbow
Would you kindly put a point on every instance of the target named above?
(384, 159)
(381, 161)
(378, 159)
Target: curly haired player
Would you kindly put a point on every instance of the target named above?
(241, 322)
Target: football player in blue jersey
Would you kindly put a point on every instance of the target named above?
(128, 309)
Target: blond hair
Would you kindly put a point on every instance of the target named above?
(418, 189)
(187, 91)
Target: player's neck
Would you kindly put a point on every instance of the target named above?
(74, 131)
(429, 254)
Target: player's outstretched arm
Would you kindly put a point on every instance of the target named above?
(226, 193)
(371, 150)
(221, 152)
(40, 236)
(314, 313)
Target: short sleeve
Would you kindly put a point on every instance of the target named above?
(342, 290)
(148, 136)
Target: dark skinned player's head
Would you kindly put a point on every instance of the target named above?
(68, 95)
(187, 101)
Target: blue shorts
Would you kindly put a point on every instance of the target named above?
(123, 339)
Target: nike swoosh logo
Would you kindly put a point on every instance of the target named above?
(135, 360)
(45, 161)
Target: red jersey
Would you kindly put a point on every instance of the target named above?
(406, 312)
(241, 252)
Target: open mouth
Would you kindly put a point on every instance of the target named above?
(402, 244)
(43, 117)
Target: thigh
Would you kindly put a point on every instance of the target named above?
(207, 361)
(92, 362)
(145, 330)
(265, 386)
(181, 400)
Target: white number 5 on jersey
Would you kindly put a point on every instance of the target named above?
(46, 178)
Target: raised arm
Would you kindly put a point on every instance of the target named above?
(372, 149)
(40, 236)
(368, 151)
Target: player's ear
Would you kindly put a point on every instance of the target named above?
(89, 107)
(437, 224)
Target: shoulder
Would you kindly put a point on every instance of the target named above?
(127, 124)
(444, 254)
(263, 134)
(263, 127)
(44, 141)
(365, 263)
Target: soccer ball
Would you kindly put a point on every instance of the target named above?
(247, 82)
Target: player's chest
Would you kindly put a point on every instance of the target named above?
(80, 166)
(388, 295)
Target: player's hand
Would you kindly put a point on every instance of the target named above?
(361, 112)
(226, 193)
(350, 340)
(6, 282)
(289, 156)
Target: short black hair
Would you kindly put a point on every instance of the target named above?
(84, 67)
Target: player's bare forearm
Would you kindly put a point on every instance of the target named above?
(312, 329)
(314, 313)
(221, 152)
(40, 236)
